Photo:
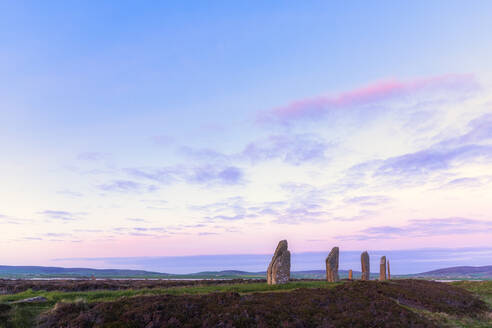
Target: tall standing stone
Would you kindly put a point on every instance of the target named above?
(382, 269)
(350, 274)
(332, 265)
(366, 271)
(389, 273)
(279, 268)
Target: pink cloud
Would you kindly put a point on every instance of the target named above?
(367, 95)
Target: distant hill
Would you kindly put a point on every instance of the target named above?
(461, 272)
(58, 272)
(41, 271)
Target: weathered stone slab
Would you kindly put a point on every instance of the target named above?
(332, 265)
(350, 274)
(279, 268)
(366, 271)
(389, 272)
(382, 269)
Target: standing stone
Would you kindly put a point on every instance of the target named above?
(350, 274)
(389, 273)
(332, 265)
(382, 269)
(279, 268)
(366, 271)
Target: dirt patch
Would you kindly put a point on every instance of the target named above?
(356, 304)
(17, 286)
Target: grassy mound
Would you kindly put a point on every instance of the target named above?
(356, 304)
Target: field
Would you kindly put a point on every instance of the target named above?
(245, 303)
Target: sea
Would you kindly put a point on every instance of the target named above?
(401, 261)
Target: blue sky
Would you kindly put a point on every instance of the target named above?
(174, 128)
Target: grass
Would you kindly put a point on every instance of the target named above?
(483, 289)
(24, 315)
(452, 321)
(109, 295)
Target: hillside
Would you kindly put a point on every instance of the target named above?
(460, 272)
(48, 272)
(30, 272)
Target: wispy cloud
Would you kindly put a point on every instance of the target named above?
(204, 154)
(56, 234)
(360, 216)
(371, 94)
(204, 174)
(137, 220)
(479, 131)
(368, 200)
(6, 219)
(433, 159)
(230, 175)
(424, 228)
(473, 147)
(302, 213)
(88, 230)
(303, 204)
(468, 182)
(295, 149)
(62, 215)
(126, 186)
(163, 175)
(205, 233)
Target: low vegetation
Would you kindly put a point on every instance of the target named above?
(399, 303)
(17, 286)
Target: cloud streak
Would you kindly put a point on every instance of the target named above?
(126, 186)
(294, 149)
(311, 108)
(304, 204)
(368, 200)
(424, 228)
(62, 215)
(429, 160)
(473, 147)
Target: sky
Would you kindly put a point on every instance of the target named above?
(169, 129)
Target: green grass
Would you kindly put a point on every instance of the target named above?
(109, 295)
(482, 289)
(451, 321)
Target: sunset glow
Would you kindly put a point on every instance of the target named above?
(205, 129)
